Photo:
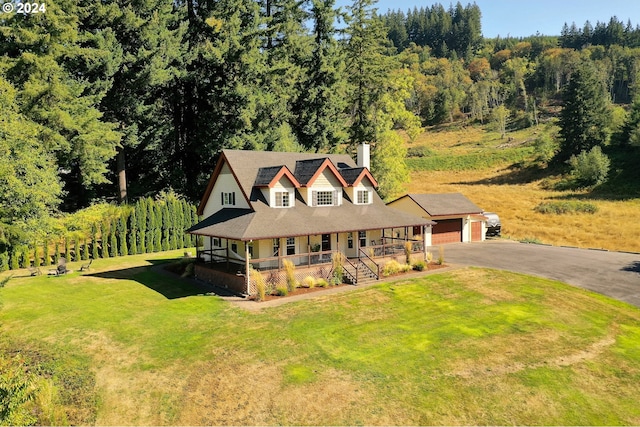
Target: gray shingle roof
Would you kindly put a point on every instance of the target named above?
(445, 204)
(266, 175)
(351, 174)
(263, 222)
(305, 169)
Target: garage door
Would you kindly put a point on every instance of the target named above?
(476, 231)
(446, 231)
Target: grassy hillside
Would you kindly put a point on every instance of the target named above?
(127, 345)
(504, 175)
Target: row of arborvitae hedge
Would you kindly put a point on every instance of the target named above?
(147, 226)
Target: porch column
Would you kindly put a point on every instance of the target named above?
(308, 250)
(280, 252)
(384, 244)
(246, 266)
(424, 239)
(227, 255)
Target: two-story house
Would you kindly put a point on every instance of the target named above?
(260, 208)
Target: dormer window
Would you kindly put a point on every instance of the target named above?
(324, 198)
(363, 197)
(282, 199)
(228, 199)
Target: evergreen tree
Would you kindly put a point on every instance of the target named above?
(151, 226)
(47, 257)
(166, 225)
(113, 239)
(94, 240)
(14, 261)
(367, 69)
(320, 107)
(36, 257)
(141, 216)
(630, 134)
(85, 249)
(194, 221)
(24, 258)
(157, 237)
(132, 235)
(56, 254)
(188, 222)
(104, 238)
(585, 118)
(43, 56)
(67, 249)
(122, 234)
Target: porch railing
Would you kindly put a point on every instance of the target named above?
(366, 265)
(353, 277)
(299, 260)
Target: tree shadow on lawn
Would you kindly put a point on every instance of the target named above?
(162, 281)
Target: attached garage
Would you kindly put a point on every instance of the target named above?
(476, 231)
(457, 218)
(446, 231)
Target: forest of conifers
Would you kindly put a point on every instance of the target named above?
(114, 100)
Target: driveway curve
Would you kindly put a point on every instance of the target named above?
(615, 274)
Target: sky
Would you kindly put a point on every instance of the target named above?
(524, 18)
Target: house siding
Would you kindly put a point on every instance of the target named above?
(225, 183)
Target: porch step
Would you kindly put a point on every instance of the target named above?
(365, 272)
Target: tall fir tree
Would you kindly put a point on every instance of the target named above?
(320, 122)
(585, 117)
(367, 69)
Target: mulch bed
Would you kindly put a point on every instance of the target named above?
(302, 291)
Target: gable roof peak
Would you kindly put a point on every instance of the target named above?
(308, 170)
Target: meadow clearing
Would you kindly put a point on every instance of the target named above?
(500, 176)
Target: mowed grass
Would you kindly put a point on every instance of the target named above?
(508, 185)
(469, 346)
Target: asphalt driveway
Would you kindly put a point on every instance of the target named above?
(615, 274)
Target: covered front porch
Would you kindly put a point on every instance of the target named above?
(364, 251)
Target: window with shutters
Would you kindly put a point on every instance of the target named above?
(282, 199)
(323, 198)
(228, 199)
(362, 197)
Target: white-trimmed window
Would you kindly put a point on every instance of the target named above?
(363, 197)
(283, 199)
(291, 245)
(325, 198)
(362, 236)
(228, 199)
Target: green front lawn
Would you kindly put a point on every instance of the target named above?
(470, 346)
